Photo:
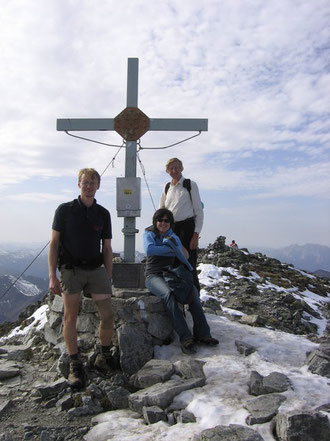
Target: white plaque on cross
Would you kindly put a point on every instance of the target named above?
(131, 124)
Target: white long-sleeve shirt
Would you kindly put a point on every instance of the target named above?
(178, 201)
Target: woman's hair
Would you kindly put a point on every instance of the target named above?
(159, 214)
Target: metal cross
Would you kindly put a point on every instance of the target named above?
(131, 124)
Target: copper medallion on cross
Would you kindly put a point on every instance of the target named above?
(131, 123)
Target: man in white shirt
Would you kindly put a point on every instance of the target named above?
(182, 198)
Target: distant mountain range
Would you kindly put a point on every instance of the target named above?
(308, 257)
(15, 261)
(30, 288)
(322, 273)
(34, 283)
(26, 291)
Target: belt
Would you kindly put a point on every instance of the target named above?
(86, 266)
(185, 221)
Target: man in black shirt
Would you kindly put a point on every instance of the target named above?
(81, 248)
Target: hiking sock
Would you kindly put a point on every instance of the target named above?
(74, 357)
(105, 349)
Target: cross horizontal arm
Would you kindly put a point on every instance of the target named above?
(178, 124)
(85, 124)
(156, 124)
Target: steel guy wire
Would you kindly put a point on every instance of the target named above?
(92, 140)
(170, 145)
(145, 178)
(3, 294)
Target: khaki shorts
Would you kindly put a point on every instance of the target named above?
(89, 282)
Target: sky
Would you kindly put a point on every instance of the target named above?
(220, 401)
(258, 71)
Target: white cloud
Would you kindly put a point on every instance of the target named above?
(36, 198)
(257, 70)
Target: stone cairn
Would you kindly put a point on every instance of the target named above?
(141, 322)
(149, 388)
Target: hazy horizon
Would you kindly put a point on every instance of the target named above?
(39, 245)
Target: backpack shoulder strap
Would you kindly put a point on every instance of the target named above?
(187, 184)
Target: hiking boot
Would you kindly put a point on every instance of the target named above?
(76, 376)
(103, 362)
(188, 346)
(208, 341)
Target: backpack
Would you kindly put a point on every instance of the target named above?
(186, 184)
(181, 283)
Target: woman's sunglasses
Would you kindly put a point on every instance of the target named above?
(167, 221)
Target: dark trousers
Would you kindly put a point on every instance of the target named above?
(157, 285)
(185, 230)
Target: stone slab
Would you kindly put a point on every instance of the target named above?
(128, 275)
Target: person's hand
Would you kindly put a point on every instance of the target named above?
(193, 244)
(54, 285)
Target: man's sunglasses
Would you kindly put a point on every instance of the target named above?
(167, 221)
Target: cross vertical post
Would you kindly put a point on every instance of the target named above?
(129, 229)
(131, 124)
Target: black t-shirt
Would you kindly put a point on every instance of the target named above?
(82, 230)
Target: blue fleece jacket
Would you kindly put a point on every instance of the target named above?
(166, 246)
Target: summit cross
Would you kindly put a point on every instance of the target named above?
(131, 124)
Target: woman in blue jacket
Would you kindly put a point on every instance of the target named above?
(163, 248)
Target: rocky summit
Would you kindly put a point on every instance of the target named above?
(252, 290)
(267, 292)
